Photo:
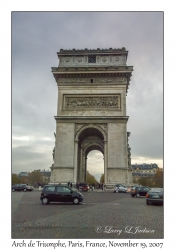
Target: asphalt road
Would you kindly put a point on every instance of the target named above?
(101, 215)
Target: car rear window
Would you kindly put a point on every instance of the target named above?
(158, 190)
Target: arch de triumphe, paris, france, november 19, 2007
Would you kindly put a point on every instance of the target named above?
(91, 114)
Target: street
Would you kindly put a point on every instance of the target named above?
(101, 215)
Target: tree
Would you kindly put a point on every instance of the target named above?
(35, 176)
(155, 181)
(90, 178)
(15, 179)
(146, 181)
(158, 178)
(102, 178)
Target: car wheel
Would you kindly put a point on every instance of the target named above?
(13, 189)
(45, 201)
(76, 201)
(148, 202)
(132, 195)
(25, 189)
(137, 195)
(117, 191)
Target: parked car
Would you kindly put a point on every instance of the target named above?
(139, 191)
(22, 187)
(120, 188)
(84, 187)
(154, 196)
(60, 193)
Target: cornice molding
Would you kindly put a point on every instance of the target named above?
(92, 119)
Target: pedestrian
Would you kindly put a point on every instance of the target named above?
(68, 183)
(71, 184)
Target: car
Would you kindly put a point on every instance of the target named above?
(22, 187)
(84, 187)
(154, 196)
(120, 188)
(60, 193)
(137, 191)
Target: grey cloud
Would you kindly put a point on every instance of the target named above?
(25, 158)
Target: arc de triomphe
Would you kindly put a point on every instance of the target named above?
(91, 114)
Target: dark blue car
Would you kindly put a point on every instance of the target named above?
(60, 193)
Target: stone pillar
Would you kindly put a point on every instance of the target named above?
(81, 163)
(85, 169)
(75, 161)
(105, 161)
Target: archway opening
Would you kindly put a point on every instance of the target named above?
(90, 146)
(95, 164)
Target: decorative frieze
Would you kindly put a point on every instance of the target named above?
(91, 102)
(79, 80)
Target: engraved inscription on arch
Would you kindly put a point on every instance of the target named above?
(91, 101)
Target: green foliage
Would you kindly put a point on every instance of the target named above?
(158, 178)
(19, 179)
(146, 181)
(90, 178)
(156, 181)
(35, 176)
(15, 179)
(102, 178)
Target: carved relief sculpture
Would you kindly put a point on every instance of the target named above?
(121, 80)
(92, 102)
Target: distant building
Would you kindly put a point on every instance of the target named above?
(144, 170)
(45, 173)
(23, 174)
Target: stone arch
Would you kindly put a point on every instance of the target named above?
(90, 137)
(94, 146)
(90, 126)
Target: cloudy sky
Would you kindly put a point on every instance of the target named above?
(37, 36)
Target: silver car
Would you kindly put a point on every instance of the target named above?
(120, 188)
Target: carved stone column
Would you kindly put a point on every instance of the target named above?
(85, 169)
(81, 163)
(75, 160)
(105, 161)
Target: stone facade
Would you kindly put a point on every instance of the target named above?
(91, 114)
